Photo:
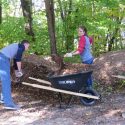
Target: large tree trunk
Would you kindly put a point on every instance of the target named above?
(27, 13)
(0, 12)
(51, 24)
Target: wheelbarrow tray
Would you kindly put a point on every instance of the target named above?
(72, 82)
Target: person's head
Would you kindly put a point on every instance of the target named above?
(26, 44)
(82, 31)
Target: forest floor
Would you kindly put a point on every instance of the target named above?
(41, 107)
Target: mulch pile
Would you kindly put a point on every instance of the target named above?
(112, 63)
(104, 67)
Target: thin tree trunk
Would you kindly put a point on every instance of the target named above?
(51, 24)
(27, 13)
(111, 42)
(113, 38)
(61, 10)
(65, 15)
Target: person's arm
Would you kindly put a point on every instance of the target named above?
(81, 46)
(19, 66)
(80, 49)
(91, 40)
(18, 57)
(75, 53)
(18, 71)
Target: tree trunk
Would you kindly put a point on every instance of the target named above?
(115, 33)
(111, 43)
(51, 24)
(61, 10)
(27, 13)
(67, 25)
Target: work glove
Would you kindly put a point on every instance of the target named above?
(18, 73)
(68, 55)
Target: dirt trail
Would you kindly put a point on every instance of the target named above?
(45, 110)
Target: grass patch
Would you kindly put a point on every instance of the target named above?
(74, 59)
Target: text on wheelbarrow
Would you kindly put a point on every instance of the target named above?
(67, 82)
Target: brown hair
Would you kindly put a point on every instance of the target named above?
(84, 29)
(25, 41)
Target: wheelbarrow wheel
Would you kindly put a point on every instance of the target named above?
(88, 101)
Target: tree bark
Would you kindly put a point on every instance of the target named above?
(51, 24)
(61, 10)
(113, 38)
(27, 13)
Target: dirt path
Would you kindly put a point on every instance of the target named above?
(40, 110)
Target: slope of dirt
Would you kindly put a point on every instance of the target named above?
(112, 63)
(42, 108)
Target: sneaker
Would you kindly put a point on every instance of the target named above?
(1, 99)
(12, 107)
(1, 102)
(89, 87)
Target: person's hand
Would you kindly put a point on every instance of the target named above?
(68, 55)
(18, 74)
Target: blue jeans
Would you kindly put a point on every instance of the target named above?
(5, 79)
(90, 81)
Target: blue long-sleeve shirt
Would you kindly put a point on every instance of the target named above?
(14, 51)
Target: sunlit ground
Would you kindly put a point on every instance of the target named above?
(107, 112)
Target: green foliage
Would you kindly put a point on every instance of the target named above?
(121, 84)
(74, 59)
(11, 30)
(101, 18)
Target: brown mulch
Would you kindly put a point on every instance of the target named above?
(40, 67)
(104, 67)
(112, 63)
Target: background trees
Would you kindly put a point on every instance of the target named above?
(27, 13)
(51, 25)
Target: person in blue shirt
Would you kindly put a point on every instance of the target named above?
(13, 51)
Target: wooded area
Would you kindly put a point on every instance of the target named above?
(50, 79)
(51, 25)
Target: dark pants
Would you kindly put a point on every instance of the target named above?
(90, 81)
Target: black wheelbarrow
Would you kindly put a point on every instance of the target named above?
(73, 84)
